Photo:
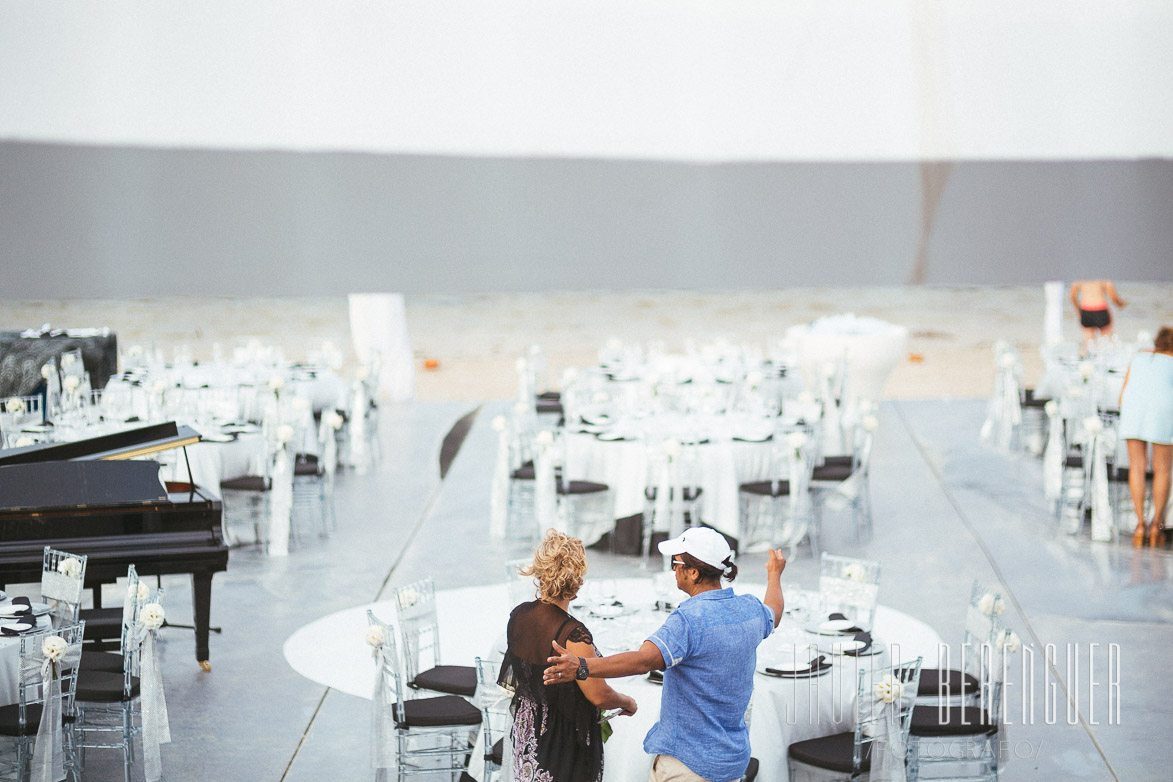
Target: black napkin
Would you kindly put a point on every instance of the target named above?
(767, 439)
(815, 665)
(26, 606)
(24, 615)
(838, 615)
(867, 644)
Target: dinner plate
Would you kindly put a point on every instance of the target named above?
(803, 673)
(834, 627)
(752, 438)
(846, 647)
(8, 610)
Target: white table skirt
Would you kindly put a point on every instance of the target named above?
(332, 651)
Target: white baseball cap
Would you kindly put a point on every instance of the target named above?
(705, 544)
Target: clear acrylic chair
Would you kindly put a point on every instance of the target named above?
(22, 719)
(496, 718)
(126, 616)
(419, 631)
(521, 588)
(249, 500)
(108, 701)
(849, 586)
(672, 468)
(849, 755)
(432, 735)
(779, 513)
(959, 685)
(844, 480)
(16, 413)
(63, 577)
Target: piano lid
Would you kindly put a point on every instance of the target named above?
(43, 486)
(119, 445)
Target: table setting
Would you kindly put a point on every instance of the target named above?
(18, 615)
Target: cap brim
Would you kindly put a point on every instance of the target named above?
(671, 547)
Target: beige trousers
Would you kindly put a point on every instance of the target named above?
(666, 768)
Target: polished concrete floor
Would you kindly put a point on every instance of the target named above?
(947, 510)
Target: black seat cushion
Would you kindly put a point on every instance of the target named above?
(437, 712)
(831, 472)
(837, 461)
(582, 487)
(246, 483)
(10, 720)
(690, 492)
(550, 396)
(1030, 400)
(524, 473)
(547, 406)
(1120, 475)
(305, 464)
(454, 679)
(100, 661)
(831, 752)
(102, 623)
(751, 771)
(950, 721)
(1073, 462)
(497, 754)
(104, 687)
(764, 489)
(935, 682)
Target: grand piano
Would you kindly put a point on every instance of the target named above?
(88, 497)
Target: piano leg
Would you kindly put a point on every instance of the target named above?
(201, 593)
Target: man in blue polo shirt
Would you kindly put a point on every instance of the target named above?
(707, 649)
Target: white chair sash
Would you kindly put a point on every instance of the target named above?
(499, 492)
(281, 504)
(1102, 526)
(156, 725)
(48, 763)
(1053, 455)
(359, 452)
(382, 717)
(888, 748)
(832, 425)
(545, 490)
(1004, 412)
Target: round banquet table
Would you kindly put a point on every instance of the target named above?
(332, 651)
(10, 659)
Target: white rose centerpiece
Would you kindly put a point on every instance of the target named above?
(375, 636)
(53, 648)
(1086, 370)
(141, 593)
(796, 440)
(990, 604)
(70, 566)
(333, 420)
(1093, 425)
(499, 423)
(408, 597)
(284, 433)
(14, 405)
(276, 383)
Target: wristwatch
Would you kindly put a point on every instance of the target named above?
(583, 672)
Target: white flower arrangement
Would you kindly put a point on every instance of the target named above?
(796, 440)
(1007, 360)
(284, 433)
(72, 382)
(408, 597)
(68, 359)
(135, 351)
(276, 383)
(1051, 408)
(499, 423)
(520, 409)
(1009, 641)
(375, 636)
(545, 437)
(153, 616)
(1093, 425)
(671, 448)
(870, 423)
(853, 571)
(24, 441)
(333, 420)
(53, 648)
(754, 378)
(991, 605)
(141, 593)
(14, 405)
(1086, 370)
(888, 689)
(70, 567)
(46, 370)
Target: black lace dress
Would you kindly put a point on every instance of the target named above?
(556, 734)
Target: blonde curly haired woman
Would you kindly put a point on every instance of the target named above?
(556, 733)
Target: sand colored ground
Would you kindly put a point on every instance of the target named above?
(476, 338)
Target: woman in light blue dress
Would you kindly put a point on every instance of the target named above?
(1146, 417)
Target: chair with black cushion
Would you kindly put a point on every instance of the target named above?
(587, 506)
(959, 686)
(778, 513)
(419, 629)
(962, 737)
(849, 755)
(672, 469)
(844, 480)
(249, 500)
(98, 659)
(496, 718)
(432, 735)
(108, 699)
(22, 719)
(63, 577)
